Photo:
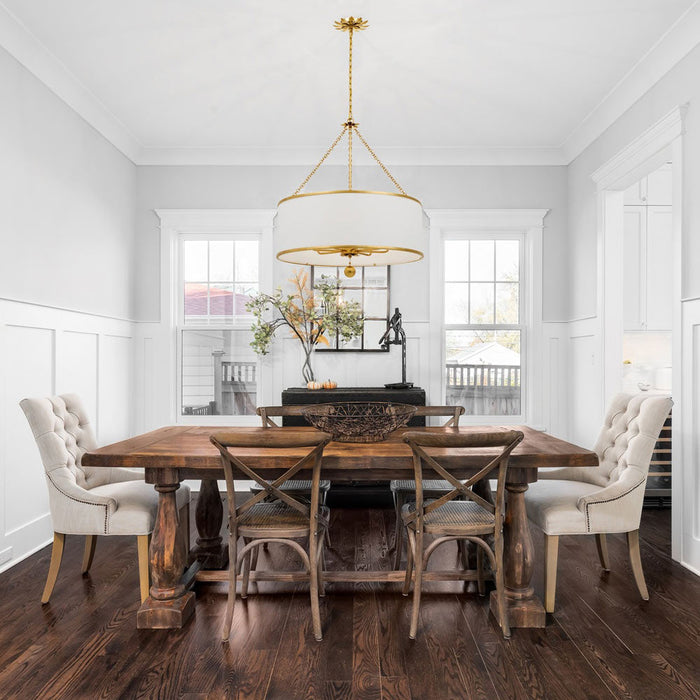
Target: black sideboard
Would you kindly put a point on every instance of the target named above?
(357, 493)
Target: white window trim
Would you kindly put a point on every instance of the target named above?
(525, 223)
(177, 223)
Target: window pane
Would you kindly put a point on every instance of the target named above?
(221, 301)
(483, 371)
(243, 294)
(247, 261)
(481, 266)
(221, 261)
(194, 255)
(456, 261)
(375, 303)
(507, 261)
(456, 302)
(507, 302)
(375, 276)
(196, 301)
(481, 303)
(219, 373)
(374, 330)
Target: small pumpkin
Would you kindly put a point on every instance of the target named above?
(328, 384)
(314, 385)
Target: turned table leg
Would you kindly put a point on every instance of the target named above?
(210, 550)
(524, 609)
(169, 605)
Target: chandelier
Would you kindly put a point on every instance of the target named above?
(350, 227)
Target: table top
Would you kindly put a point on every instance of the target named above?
(186, 451)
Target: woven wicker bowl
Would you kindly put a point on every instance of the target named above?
(359, 421)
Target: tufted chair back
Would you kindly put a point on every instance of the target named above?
(63, 434)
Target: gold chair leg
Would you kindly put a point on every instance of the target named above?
(56, 555)
(551, 553)
(602, 545)
(636, 561)
(143, 542)
(89, 553)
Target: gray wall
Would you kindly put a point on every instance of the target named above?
(68, 200)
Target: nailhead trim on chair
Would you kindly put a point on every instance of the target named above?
(87, 503)
(609, 500)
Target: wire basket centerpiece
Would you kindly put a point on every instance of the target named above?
(369, 421)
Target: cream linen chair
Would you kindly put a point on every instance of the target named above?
(86, 500)
(605, 499)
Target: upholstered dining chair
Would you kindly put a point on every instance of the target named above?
(447, 519)
(299, 488)
(87, 500)
(284, 519)
(404, 489)
(605, 499)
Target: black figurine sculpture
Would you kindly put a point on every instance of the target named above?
(398, 339)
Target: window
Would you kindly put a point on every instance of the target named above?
(483, 330)
(370, 288)
(218, 369)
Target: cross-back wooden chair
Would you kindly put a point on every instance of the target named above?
(448, 519)
(281, 518)
(404, 489)
(299, 488)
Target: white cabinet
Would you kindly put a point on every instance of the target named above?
(647, 285)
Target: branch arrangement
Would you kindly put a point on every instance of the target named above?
(309, 314)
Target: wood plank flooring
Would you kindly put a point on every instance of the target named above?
(602, 642)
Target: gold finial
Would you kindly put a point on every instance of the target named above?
(351, 23)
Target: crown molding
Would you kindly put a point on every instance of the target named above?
(670, 49)
(390, 156)
(25, 48)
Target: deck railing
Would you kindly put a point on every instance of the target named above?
(484, 389)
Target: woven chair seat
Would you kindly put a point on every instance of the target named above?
(463, 516)
(409, 486)
(296, 486)
(277, 516)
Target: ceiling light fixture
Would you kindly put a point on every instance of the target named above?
(374, 228)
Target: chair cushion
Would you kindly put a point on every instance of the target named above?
(296, 486)
(137, 504)
(278, 516)
(453, 515)
(552, 504)
(409, 486)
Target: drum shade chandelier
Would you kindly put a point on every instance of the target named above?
(350, 227)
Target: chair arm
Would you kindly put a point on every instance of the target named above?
(97, 476)
(615, 508)
(75, 510)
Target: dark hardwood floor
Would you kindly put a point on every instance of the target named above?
(602, 642)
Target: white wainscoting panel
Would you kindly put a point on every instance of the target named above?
(554, 410)
(46, 351)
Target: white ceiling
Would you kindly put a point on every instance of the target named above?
(269, 77)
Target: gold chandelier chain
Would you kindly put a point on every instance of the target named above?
(379, 162)
(350, 121)
(320, 162)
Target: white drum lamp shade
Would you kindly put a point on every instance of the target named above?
(324, 228)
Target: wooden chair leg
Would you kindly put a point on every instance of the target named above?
(232, 567)
(247, 559)
(417, 583)
(499, 577)
(143, 542)
(551, 553)
(636, 561)
(89, 553)
(313, 586)
(602, 545)
(398, 530)
(410, 545)
(56, 555)
(321, 567)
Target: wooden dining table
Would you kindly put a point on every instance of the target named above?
(170, 455)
